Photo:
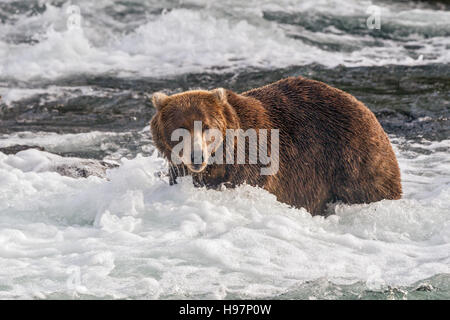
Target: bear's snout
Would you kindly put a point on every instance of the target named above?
(197, 160)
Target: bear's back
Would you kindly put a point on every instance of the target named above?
(329, 140)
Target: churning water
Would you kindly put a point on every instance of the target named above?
(80, 94)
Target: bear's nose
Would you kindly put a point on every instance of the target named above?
(197, 160)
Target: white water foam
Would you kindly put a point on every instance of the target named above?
(9, 96)
(230, 36)
(134, 236)
(60, 143)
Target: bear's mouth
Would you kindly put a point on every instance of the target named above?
(196, 168)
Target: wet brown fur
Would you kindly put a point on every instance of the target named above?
(332, 148)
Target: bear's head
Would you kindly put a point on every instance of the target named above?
(189, 127)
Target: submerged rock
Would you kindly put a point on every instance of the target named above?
(85, 168)
(35, 158)
(17, 148)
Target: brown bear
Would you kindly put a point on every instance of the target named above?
(330, 145)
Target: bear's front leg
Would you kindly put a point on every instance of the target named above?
(176, 171)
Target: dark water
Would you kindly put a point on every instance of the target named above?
(409, 102)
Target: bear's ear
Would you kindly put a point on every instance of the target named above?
(220, 94)
(159, 100)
